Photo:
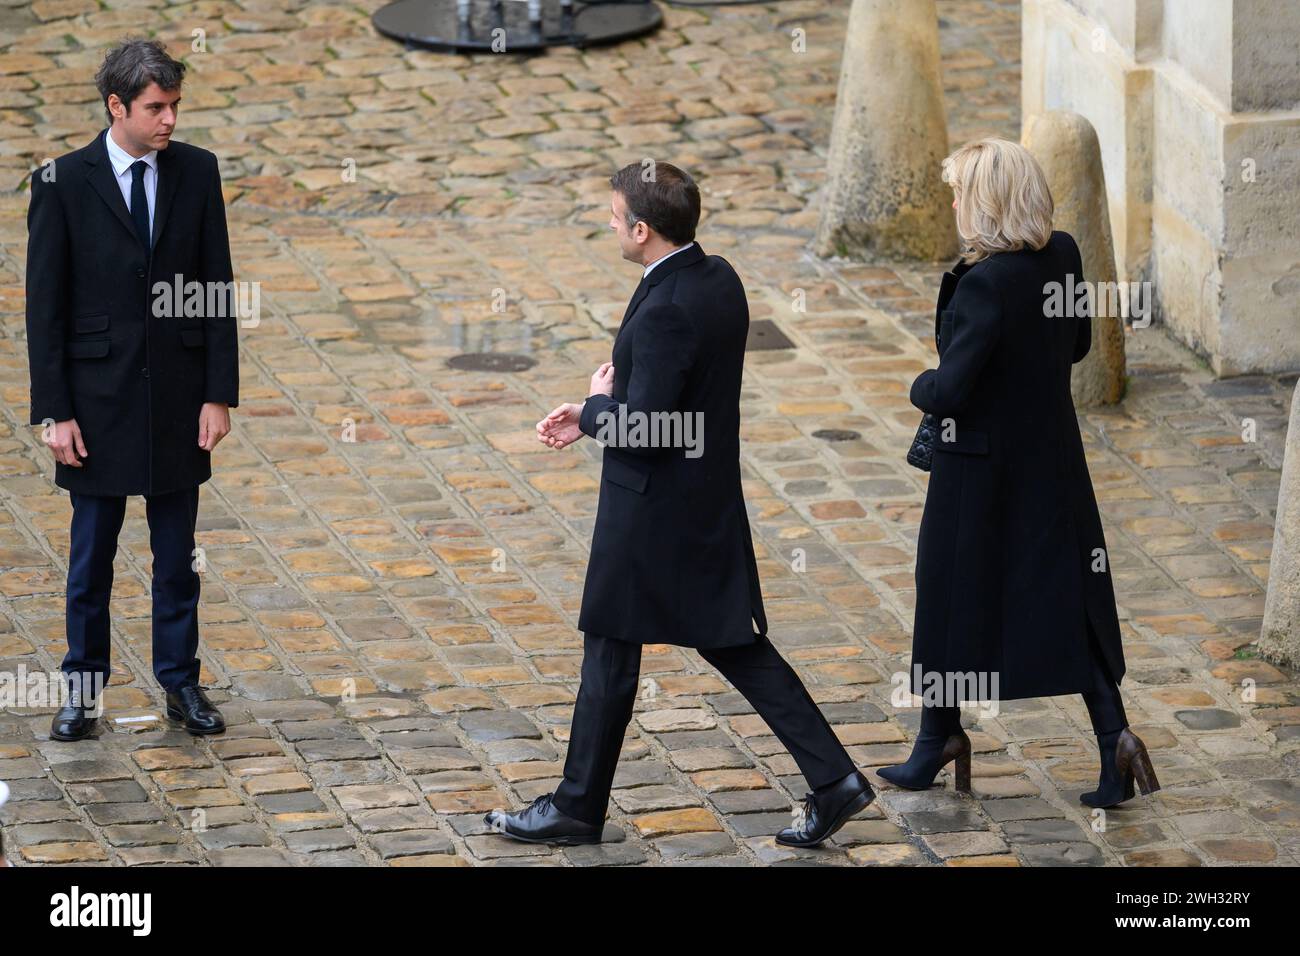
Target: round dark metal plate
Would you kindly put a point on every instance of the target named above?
(491, 362)
(435, 24)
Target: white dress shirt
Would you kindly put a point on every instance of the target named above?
(665, 256)
(122, 161)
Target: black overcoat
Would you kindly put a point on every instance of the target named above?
(672, 560)
(1011, 554)
(134, 380)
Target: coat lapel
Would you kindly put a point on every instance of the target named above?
(169, 176)
(643, 287)
(103, 181)
(947, 286)
(679, 260)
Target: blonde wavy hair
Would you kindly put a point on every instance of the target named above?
(1003, 203)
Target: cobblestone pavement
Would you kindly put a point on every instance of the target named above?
(394, 564)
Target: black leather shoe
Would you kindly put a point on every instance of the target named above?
(191, 705)
(75, 719)
(827, 811)
(542, 822)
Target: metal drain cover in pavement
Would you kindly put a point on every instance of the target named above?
(765, 336)
(491, 362)
(836, 434)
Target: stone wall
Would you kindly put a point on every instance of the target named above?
(1197, 107)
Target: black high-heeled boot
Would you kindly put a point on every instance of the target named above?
(1124, 759)
(940, 741)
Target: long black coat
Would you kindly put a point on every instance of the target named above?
(672, 560)
(1007, 562)
(133, 380)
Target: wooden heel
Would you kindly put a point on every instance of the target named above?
(1145, 774)
(963, 772)
(958, 750)
(1133, 761)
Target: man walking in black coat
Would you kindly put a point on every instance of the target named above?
(672, 561)
(132, 346)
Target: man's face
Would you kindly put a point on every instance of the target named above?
(151, 120)
(630, 241)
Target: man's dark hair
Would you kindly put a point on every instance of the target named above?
(132, 65)
(662, 196)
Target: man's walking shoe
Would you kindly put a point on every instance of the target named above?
(827, 810)
(75, 719)
(191, 705)
(542, 822)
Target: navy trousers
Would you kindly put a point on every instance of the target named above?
(96, 521)
(610, 677)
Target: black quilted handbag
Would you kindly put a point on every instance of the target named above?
(922, 451)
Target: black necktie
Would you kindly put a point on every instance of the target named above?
(139, 203)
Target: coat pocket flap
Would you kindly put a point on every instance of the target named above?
(95, 322)
(621, 473)
(965, 441)
(87, 348)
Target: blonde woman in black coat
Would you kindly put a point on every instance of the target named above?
(1013, 582)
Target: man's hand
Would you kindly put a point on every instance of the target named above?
(64, 439)
(560, 428)
(602, 380)
(214, 424)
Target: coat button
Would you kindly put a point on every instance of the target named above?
(139, 273)
(144, 372)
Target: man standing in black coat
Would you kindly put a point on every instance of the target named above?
(672, 561)
(132, 346)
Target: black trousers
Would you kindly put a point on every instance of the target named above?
(96, 521)
(610, 677)
(1105, 706)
